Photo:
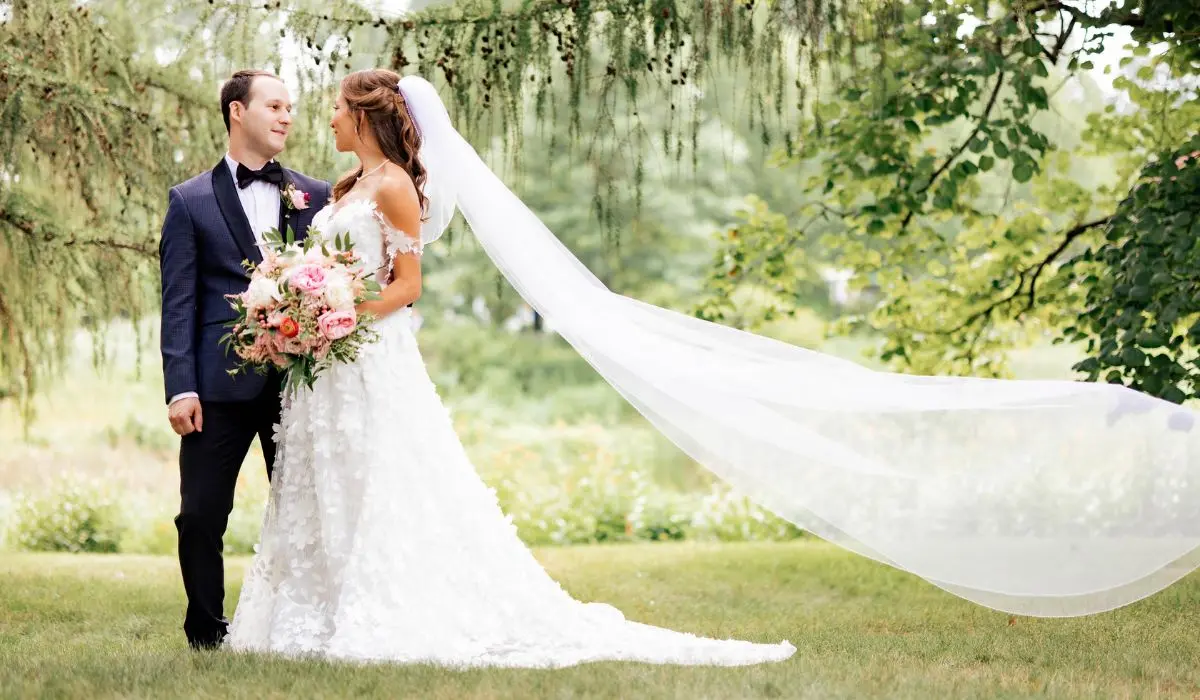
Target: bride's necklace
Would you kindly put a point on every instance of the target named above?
(371, 172)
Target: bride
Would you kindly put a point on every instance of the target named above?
(380, 542)
(1048, 498)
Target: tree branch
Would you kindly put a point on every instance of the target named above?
(1068, 237)
(1031, 274)
(983, 118)
(1060, 41)
(31, 229)
(988, 310)
(1128, 19)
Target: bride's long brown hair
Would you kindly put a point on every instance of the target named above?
(375, 94)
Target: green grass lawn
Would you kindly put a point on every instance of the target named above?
(108, 626)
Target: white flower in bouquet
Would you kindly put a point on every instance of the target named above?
(338, 291)
(262, 292)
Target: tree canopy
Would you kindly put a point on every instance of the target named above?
(109, 103)
(978, 217)
(922, 126)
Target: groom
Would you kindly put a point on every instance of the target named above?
(215, 221)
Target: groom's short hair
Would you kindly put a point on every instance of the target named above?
(237, 89)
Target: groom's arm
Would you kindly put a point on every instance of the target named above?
(178, 266)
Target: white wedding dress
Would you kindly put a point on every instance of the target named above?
(381, 543)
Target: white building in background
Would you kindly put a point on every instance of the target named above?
(837, 282)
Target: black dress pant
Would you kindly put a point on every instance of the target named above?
(209, 462)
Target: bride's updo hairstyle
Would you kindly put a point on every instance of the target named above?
(376, 103)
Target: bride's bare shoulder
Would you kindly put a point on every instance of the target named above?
(396, 198)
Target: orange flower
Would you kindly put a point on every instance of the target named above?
(288, 328)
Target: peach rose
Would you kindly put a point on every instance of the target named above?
(337, 324)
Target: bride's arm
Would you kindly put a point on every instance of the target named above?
(397, 203)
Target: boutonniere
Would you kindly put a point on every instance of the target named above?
(293, 198)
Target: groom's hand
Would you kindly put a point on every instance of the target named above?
(185, 416)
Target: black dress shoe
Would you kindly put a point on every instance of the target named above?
(209, 644)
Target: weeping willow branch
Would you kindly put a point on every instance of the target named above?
(41, 233)
(95, 131)
(548, 59)
(105, 105)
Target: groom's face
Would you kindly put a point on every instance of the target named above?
(266, 118)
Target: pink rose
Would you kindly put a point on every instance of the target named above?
(293, 346)
(299, 199)
(307, 278)
(337, 324)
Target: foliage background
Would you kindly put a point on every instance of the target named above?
(1002, 188)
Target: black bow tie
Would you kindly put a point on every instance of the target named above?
(271, 172)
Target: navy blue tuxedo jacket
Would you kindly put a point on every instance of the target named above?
(205, 238)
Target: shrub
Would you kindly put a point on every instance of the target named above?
(152, 529)
(723, 515)
(76, 516)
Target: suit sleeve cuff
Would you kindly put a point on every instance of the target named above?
(184, 395)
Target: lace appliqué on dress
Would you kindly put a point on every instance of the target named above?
(396, 241)
(376, 240)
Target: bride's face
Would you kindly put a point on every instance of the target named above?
(344, 136)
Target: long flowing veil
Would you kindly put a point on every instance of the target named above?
(1048, 498)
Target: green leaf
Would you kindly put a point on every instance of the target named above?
(911, 127)
(1173, 394)
(1133, 357)
(986, 163)
(1022, 172)
(992, 62)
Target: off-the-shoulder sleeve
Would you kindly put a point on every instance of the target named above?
(398, 242)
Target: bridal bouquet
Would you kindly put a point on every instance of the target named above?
(298, 313)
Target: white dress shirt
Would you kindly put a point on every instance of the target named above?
(260, 201)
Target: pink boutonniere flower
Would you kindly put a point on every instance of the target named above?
(295, 199)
